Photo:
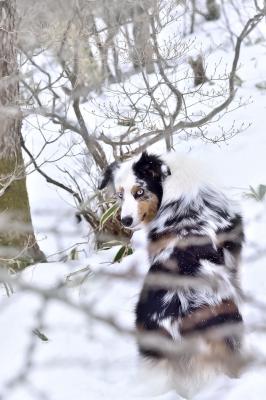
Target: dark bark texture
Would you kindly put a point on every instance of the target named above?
(18, 246)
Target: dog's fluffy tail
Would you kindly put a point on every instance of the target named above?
(164, 376)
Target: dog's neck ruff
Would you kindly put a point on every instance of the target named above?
(191, 203)
(188, 177)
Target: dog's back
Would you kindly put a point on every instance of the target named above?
(190, 295)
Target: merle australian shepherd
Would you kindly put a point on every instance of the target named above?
(194, 232)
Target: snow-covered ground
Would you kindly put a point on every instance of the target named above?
(87, 359)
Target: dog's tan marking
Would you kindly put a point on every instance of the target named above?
(216, 353)
(147, 208)
(190, 321)
(155, 247)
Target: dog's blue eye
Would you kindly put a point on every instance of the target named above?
(139, 192)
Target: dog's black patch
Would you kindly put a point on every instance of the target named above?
(108, 176)
(235, 234)
(189, 259)
(152, 171)
(149, 166)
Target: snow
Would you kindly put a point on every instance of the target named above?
(86, 359)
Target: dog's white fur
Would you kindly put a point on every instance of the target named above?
(125, 178)
(187, 177)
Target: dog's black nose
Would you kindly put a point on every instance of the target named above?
(127, 221)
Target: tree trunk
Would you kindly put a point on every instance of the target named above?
(143, 51)
(18, 246)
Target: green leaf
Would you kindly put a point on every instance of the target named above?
(111, 212)
(257, 194)
(73, 255)
(129, 251)
(261, 85)
(120, 254)
(40, 335)
(8, 288)
(253, 191)
(261, 191)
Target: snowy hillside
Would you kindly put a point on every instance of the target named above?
(52, 346)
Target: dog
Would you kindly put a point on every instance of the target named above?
(194, 240)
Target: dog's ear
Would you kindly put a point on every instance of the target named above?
(150, 166)
(108, 176)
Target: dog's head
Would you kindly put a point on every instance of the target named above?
(138, 186)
